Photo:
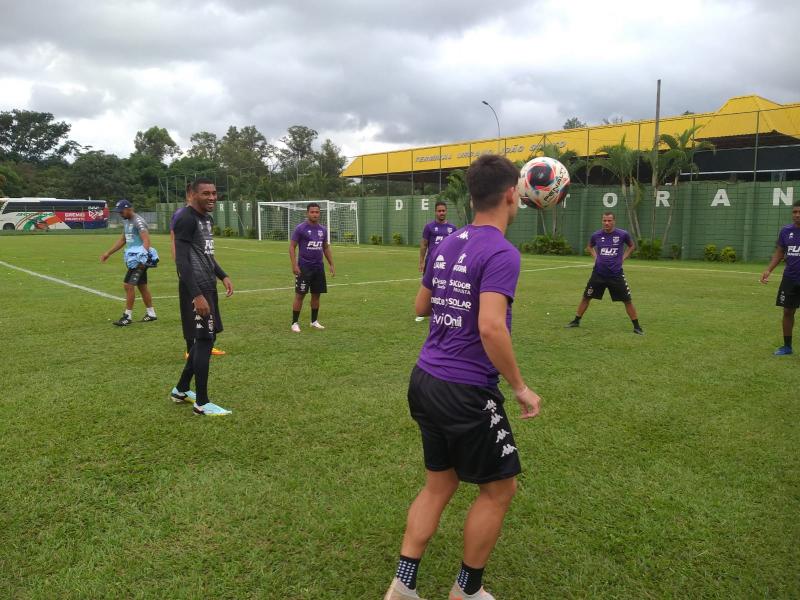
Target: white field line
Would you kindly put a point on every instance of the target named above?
(62, 282)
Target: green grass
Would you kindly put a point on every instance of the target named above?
(660, 467)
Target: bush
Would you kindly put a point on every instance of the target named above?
(648, 249)
(349, 237)
(710, 253)
(548, 244)
(676, 251)
(230, 232)
(728, 255)
(215, 230)
(397, 239)
(252, 234)
(377, 240)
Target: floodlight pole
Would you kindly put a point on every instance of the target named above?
(497, 121)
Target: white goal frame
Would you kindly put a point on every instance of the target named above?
(327, 208)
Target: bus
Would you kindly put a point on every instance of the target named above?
(31, 214)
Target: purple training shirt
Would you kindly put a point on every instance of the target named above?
(310, 239)
(789, 240)
(610, 248)
(435, 232)
(470, 261)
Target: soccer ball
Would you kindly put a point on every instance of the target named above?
(543, 182)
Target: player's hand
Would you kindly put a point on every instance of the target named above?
(201, 306)
(528, 402)
(228, 287)
(765, 277)
(333, 271)
(104, 257)
(421, 268)
(296, 270)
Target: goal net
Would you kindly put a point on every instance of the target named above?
(277, 220)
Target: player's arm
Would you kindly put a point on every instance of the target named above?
(119, 244)
(326, 250)
(590, 248)
(423, 250)
(629, 250)
(776, 259)
(183, 251)
(223, 277)
(172, 242)
(422, 303)
(496, 341)
(145, 235)
(293, 257)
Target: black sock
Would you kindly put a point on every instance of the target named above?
(787, 341)
(314, 314)
(188, 372)
(295, 316)
(201, 358)
(407, 571)
(470, 579)
(577, 319)
(636, 324)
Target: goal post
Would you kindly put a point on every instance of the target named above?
(277, 220)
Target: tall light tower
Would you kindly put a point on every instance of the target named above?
(498, 124)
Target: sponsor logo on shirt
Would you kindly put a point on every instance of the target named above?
(314, 245)
(439, 284)
(209, 248)
(615, 239)
(459, 304)
(461, 267)
(793, 250)
(460, 287)
(447, 320)
(438, 301)
(438, 240)
(608, 251)
(449, 230)
(464, 236)
(440, 263)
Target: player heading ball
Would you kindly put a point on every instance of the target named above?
(467, 289)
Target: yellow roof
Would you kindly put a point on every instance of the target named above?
(743, 115)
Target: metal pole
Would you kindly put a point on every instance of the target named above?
(755, 150)
(498, 124)
(655, 162)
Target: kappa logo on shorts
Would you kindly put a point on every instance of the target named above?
(496, 418)
(508, 449)
(783, 297)
(501, 435)
(490, 405)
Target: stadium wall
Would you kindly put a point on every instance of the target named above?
(746, 216)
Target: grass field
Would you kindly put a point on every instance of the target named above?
(663, 466)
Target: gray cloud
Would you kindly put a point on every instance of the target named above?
(402, 73)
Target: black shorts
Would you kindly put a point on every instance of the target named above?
(196, 327)
(788, 294)
(137, 276)
(464, 427)
(311, 280)
(617, 286)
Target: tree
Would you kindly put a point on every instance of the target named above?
(30, 136)
(205, 145)
(457, 194)
(96, 174)
(299, 148)
(678, 159)
(156, 143)
(245, 149)
(613, 120)
(621, 161)
(568, 158)
(573, 123)
(10, 182)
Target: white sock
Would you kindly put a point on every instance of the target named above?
(151, 311)
(128, 313)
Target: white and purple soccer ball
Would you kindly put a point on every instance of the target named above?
(543, 182)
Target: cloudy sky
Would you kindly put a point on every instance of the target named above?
(381, 74)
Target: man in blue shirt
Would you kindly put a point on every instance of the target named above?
(609, 247)
(134, 234)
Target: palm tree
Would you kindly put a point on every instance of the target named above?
(678, 159)
(457, 194)
(620, 161)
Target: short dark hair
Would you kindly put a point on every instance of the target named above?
(795, 203)
(608, 213)
(311, 205)
(195, 185)
(439, 203)
(488, 178)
